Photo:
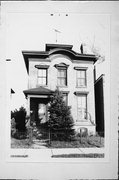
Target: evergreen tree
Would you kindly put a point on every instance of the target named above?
(60, 119)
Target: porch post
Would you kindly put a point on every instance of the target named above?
(28, 106)
(29, 127)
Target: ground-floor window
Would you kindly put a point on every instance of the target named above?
(81, 107)
(65, 98)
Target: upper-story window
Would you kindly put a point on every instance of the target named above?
(42, 75)
(81, 80)
(61, 74)
(62, 77)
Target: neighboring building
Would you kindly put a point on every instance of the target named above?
(118, 106)
(99, 104)
(73, 73)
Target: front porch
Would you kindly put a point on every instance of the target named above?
(37, 104)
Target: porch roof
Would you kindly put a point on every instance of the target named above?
(38, 91)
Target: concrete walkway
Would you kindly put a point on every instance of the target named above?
(40, 144)
(59, 151)
(77, 151)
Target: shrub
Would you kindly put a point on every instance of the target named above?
(13, 127)
(19, 116)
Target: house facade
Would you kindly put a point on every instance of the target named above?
(73, 74)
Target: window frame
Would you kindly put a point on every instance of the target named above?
(82, 119)
(42, 67)
(62, 66)
(79, 69)
(59, 77)
(65, 94)
(42, 77)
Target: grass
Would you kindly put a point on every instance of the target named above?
(92, 141)
(23, 143)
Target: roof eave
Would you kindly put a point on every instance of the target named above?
(45, 54)
(33, 54)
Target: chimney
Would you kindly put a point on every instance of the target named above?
(81, 48)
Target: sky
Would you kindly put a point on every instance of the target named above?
(31, 31)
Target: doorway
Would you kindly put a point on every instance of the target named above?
(39, 108)
(42, 113)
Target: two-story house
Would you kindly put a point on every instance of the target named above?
(72, 72)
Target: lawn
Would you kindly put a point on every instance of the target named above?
(22, 143)
(84, 142)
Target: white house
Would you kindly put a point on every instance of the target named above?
(72, 72)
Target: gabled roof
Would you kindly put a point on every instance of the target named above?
(57, 49)
(38, 91)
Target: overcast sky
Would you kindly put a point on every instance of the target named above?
(31, 31)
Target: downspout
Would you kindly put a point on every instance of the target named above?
(94, 73)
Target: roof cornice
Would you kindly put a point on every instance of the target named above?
(57, 49)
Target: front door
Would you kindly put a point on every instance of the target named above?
(42, 113)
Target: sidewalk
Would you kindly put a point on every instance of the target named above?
(77, 151)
